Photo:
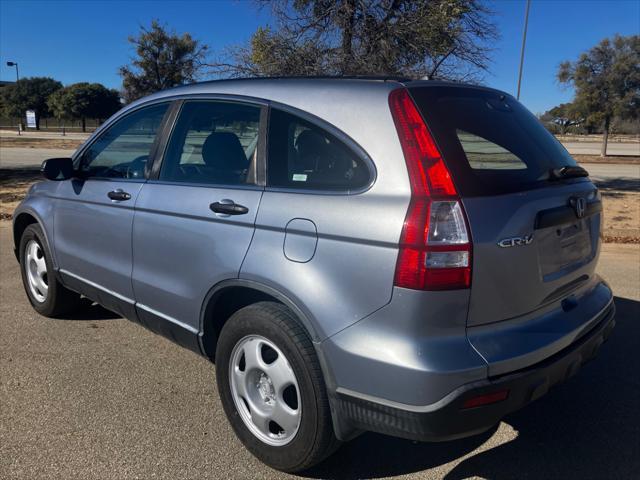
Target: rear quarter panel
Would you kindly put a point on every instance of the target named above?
(351, 272)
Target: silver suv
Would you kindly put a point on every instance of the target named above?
(414, 258)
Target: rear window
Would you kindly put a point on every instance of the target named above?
(490, 142)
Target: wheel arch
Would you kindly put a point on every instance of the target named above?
(227, 297)
(20, 224)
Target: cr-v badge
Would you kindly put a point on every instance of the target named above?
(515, 241)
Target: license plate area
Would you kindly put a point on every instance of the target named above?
(564, 248)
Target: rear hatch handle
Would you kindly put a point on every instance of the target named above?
(567, 214)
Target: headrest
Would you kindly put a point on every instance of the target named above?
(222, 150)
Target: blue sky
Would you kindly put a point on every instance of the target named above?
(86, 41)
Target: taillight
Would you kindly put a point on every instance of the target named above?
(435, 248)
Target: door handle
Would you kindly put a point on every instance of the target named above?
(119, 195)
(228, 208)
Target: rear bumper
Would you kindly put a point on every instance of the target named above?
(448, 419)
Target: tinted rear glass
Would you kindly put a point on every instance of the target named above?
(304, 156)
(490, 142)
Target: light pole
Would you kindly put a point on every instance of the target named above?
(524, 40)
(14, 64)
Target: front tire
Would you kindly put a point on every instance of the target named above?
(46, 294)
(272, 388)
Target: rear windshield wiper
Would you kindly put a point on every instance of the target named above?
(569, 171)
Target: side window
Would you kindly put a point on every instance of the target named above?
(303, 155)
(123, 150)
(212, 143)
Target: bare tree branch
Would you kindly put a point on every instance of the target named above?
(448, 38)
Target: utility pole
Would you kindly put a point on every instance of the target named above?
(524, 41)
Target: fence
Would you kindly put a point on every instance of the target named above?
(53, 124)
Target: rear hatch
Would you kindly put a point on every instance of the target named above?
(534, 220)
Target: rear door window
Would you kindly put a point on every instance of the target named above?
(303, 155)
(490, 142)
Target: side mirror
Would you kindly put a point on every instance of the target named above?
(57, 169)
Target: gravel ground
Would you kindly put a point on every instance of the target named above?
(98, 397)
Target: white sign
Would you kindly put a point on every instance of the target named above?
(31, 119)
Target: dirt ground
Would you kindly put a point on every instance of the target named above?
(14, 184)
(28, 142)
(621, 217)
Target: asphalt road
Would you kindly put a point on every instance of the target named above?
(98, 397)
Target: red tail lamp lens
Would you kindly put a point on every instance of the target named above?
(421, 264)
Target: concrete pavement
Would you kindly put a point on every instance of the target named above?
(593, 148)
(74, 134)
(615, 176)
(613, 170)
(18, 157)
(98, 397)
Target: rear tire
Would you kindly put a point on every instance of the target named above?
(45, 292)
(264, 325)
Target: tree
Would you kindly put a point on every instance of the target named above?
(163, 60)
(84, 100)
(434, 38)
(270, 54)
(60, 105)
(28, 94)
(607, 82)
(564, 116)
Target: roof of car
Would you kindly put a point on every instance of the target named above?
(374, 78)
(243, 86)
(321, 96)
